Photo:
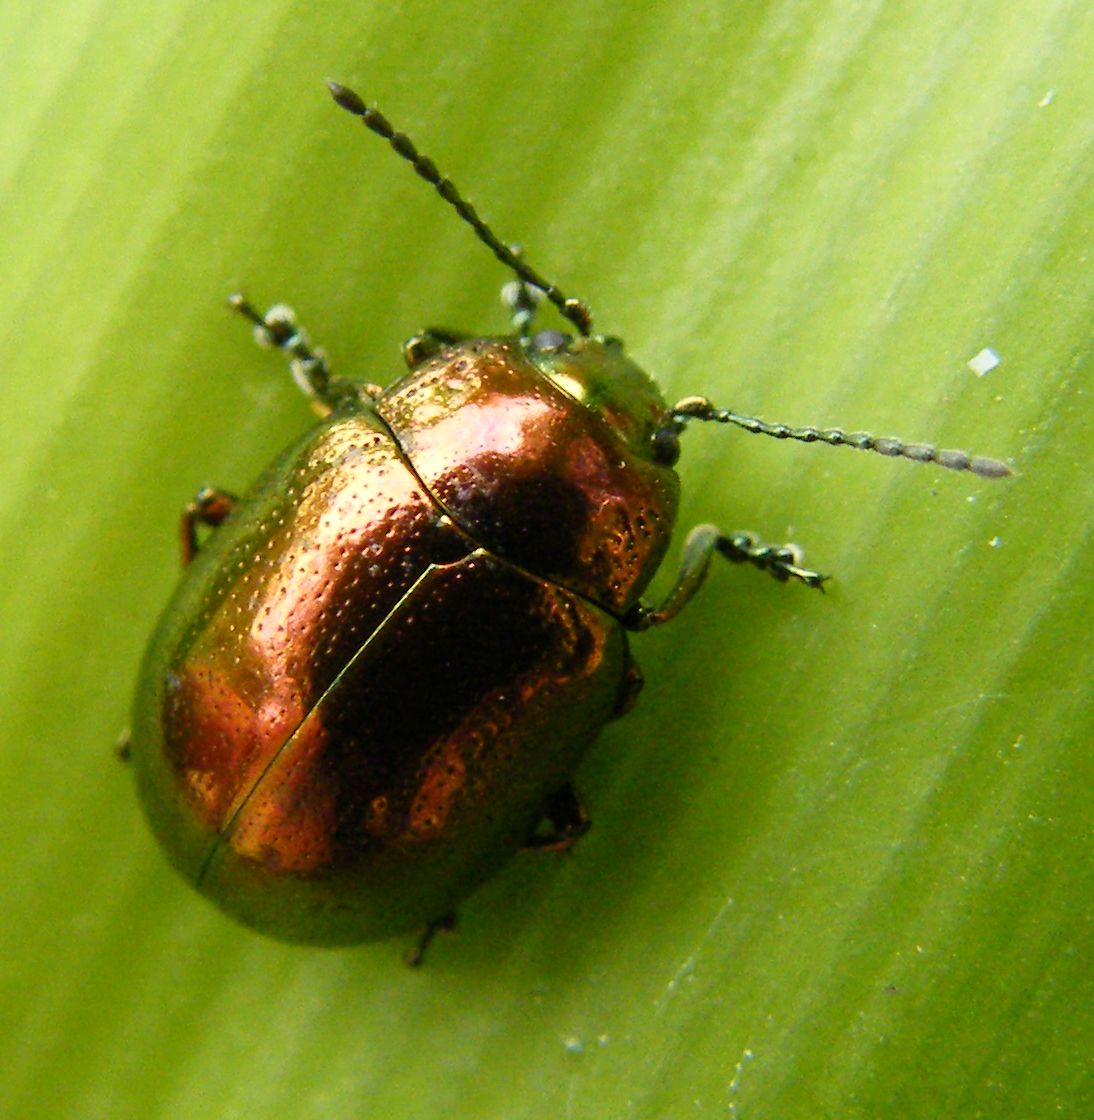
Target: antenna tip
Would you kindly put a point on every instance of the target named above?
(990, 468)
(346, 98)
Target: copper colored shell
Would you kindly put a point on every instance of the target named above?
(394, 651)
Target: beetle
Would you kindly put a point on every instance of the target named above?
(382, 667)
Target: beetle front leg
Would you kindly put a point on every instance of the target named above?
(209, 507)
(783, 562)
(279, 329)
(565, 812)
(522, 300)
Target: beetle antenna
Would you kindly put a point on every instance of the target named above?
(699, 408)
(576, 310)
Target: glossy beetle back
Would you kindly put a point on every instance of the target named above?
(559, 481)
(351, 714)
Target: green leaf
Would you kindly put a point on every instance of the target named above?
(840, 863)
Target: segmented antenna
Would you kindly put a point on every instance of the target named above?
(699, 408)
(576, 310)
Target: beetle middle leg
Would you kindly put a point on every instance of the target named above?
(209, 507)
(522, 299)
(783, 562)
(568, 820)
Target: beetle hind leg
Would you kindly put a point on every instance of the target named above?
(567, 819)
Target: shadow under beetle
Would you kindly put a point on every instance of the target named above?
(383, 665)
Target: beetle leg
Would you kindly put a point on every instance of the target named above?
(420, 348)
(279, 329)
(414, 956)
(209, 507)
(781, 561)
(569, 822)
(522, 300)
(629, 688)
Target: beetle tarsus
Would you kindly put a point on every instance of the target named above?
(416, 954)
(783, 561)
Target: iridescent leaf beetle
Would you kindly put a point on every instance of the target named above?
(383, 665)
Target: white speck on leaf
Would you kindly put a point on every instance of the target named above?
(984, 362)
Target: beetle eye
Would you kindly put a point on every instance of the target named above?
(551, 341)
(666, 446)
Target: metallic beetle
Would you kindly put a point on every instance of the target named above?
(382, 668)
